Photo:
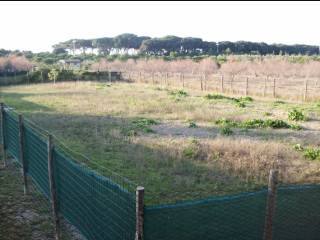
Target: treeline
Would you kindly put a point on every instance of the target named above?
(177, 46)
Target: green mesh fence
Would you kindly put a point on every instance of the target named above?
(36, 157)
(235, 217)
(11, 132)
(297, 214)
(96, 205)
(100, 208)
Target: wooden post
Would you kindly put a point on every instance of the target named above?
(3, 137)
(139, 212)
(222, 87)
(22, 159)
(265, 86)
(271, 204)
(183, 81)
(110, 76)
(205, 81)
(201, 83)
(167, 82)
(53, 189)
(274, 87)
(305, 95)
(247, 85)
(231, 83)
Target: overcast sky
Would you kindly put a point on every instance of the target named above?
(37, 26)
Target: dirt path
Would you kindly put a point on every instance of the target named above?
(309, 135)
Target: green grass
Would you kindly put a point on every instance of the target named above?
(114, 127)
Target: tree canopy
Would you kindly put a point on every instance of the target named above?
(188, 46)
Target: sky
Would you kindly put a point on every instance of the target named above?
(36, 26)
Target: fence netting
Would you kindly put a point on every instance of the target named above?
(99, 207)
(297, 213)
(235, 217)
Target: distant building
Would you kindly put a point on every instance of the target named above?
(70, 64)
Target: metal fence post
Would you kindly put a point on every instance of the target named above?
(271, 202)
(3, 135)
(22, 158)
(53, 188)
(139, 212)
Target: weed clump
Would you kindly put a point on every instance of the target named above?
(239, 102)
(144, 124)
(214, 96)
(178, 93)
(296, 115)
(192, 125)
(309, 153)
(226, 130)
(257, 123)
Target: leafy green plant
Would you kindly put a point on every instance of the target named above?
(240, 104)
(253, 123)
(312, 153)
(309, 153)
(214, 96)
(298, 147)
(276, 123)
(296, 115)
(226, 130)
(178, 93)
(192, 125)
(295, 127)
(245, 99)
(257, 123)
(226, 122)
(144, 123)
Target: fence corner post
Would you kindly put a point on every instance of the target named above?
(3, 135)
(139, 212)
(22, 158)
(52, 186)
(271, 204)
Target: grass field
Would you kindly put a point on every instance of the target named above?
(177, 144)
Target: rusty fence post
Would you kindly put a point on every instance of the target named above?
(53, 192)
(271, 204)
(139, 212)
